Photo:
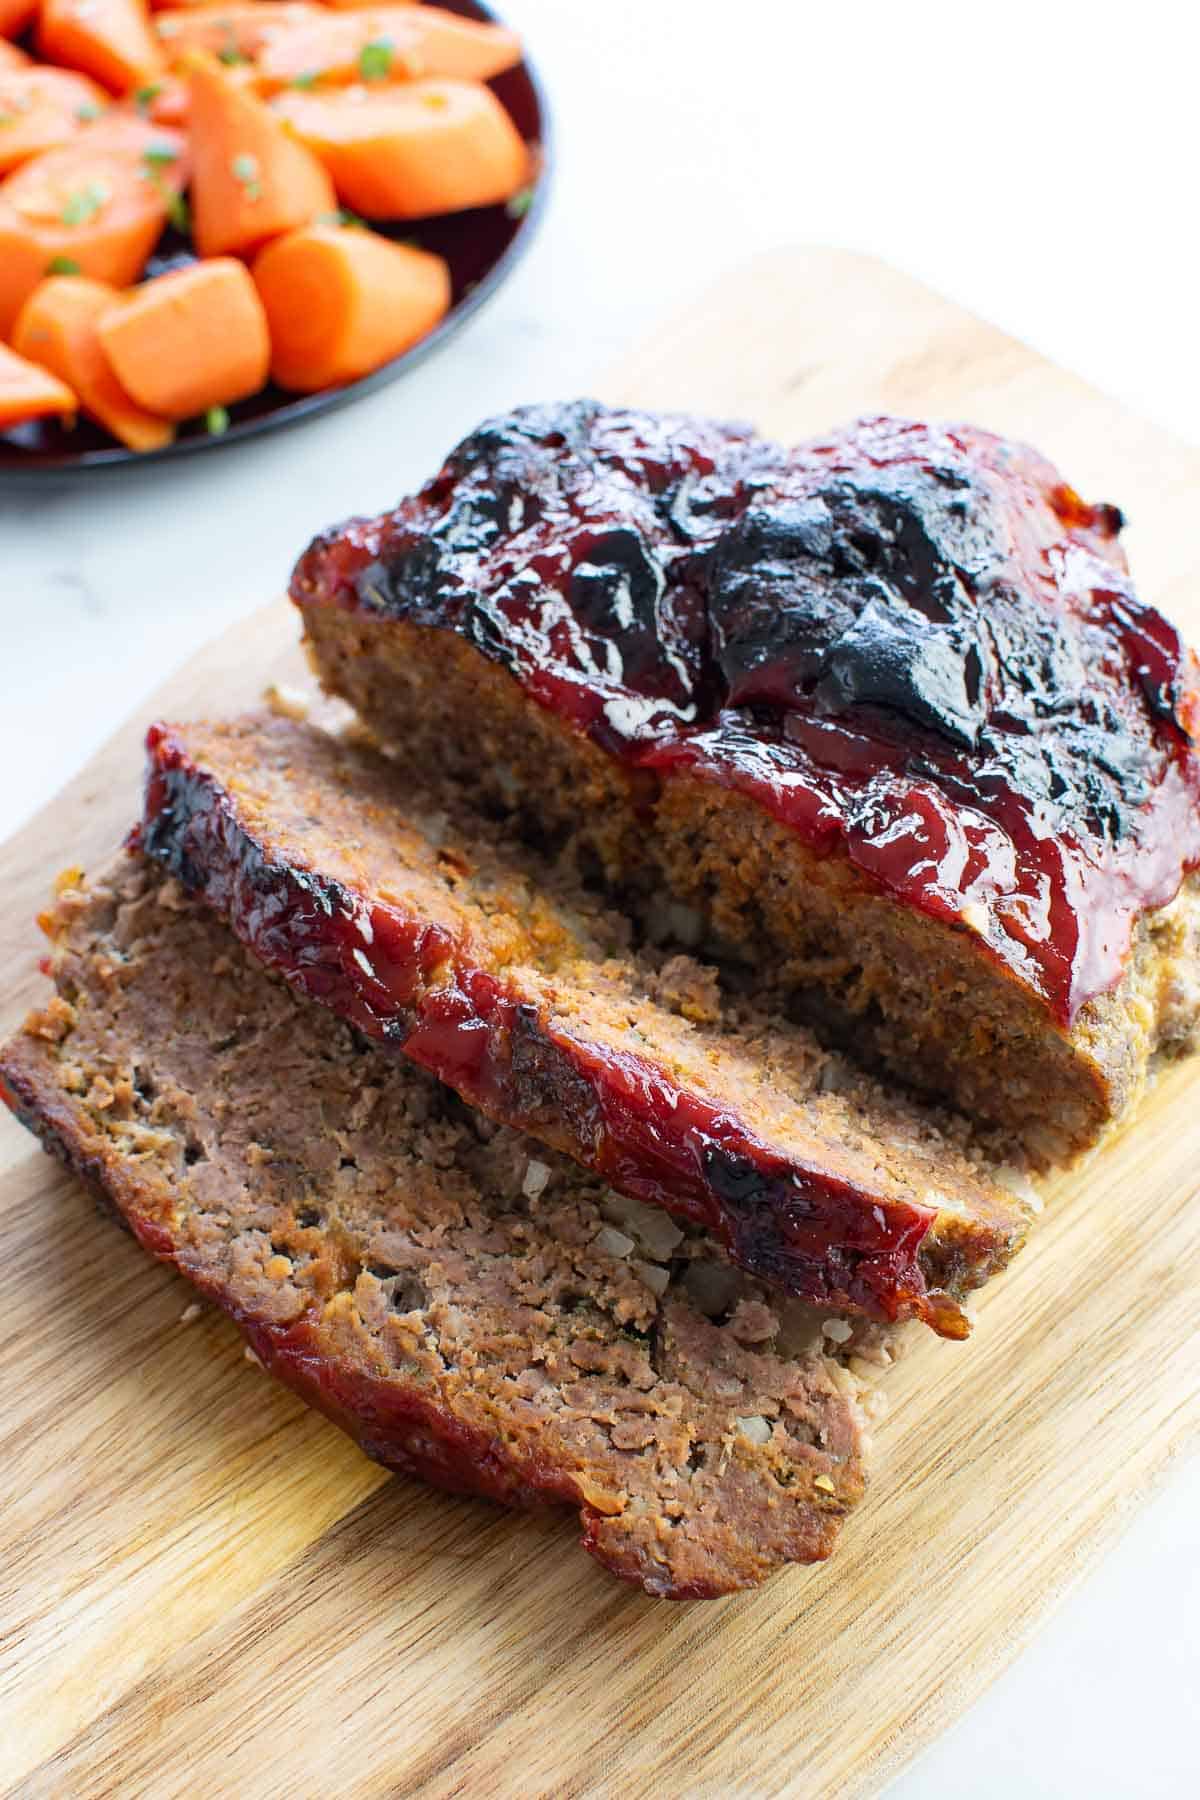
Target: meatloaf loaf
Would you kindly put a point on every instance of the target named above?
(883, 712)
(471, 1309)
(381, 893)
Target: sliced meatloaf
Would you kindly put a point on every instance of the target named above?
(472, 1309)
(381, 893)
(884, 712)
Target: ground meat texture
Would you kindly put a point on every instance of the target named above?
(382, 894)
(882, 712)
(468, 1306)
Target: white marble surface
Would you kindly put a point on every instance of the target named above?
(1036, 162)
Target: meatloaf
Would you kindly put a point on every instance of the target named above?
(472, 1309)
(380, 892)
(882, 712)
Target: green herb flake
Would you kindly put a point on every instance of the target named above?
(229, 53)
(344, 217)
(216, 421)
(146, 96)
(88, 111)
(520, 203)
(309, 80)
(178, 211)
(159, 155)
(63, 265)
(246, 170)
(375, 59)
(83, 204)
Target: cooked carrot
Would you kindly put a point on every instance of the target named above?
(56, 327)
(29, 392)
(42, 108)
(384, 44)
(190, 340)
(110, 40)
(342, 301)
(95, 207)
(410, 151)
(15, 16)
(251, 180)
(164, 151)
(233, 33)
(163, 101)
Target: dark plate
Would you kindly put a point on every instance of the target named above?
(481, 247)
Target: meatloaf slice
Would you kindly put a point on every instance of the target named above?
(470, 1308)
(383, 895)
(884, 712)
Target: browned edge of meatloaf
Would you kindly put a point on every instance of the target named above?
(471, 1309)
(382, 893)
(912, 996)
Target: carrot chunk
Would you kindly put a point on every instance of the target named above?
(43, 108)
(110, 40)
(252, 180)
(94, 207)
(190, 340)
(29, 392)
(384, 44)
(234, 33)
(57, 327)
(411, 151)
(342, 301)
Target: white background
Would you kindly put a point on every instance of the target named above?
(1038, 163)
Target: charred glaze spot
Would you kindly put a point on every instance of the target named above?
(916, 643)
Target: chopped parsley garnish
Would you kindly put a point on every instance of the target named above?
(157, 157)
(343, 216)
(63, 265)
(245, 168)
(229, 53)
(178, 211)
(83, 204)
(520, 203)
(88, 111)
(216, 421)
(146, 96)
(309, 80)
(375, 59)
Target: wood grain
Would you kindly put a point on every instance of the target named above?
(205, 1590)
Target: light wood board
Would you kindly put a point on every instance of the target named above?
(205, 1590)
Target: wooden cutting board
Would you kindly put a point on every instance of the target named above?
(205, 1590)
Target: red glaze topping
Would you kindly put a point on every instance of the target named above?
(913, 644)
(802, 1226)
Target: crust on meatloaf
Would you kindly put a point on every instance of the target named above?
(633, 630)
(380, 893)
(471, 1308)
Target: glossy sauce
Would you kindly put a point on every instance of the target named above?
(411, 985)
(914, 646)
